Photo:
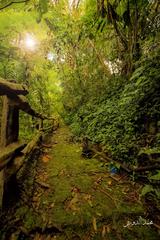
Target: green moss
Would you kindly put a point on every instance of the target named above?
(80, 190)
(30, 220)
(67, 171)
(62, 191)
(84, 183)
(62, 217)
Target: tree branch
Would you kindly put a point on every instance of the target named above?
(13, 2)
(100, 58)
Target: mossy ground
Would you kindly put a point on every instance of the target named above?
(79, 198)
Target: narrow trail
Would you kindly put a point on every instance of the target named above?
(77, 198)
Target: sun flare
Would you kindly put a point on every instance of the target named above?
(30, 42)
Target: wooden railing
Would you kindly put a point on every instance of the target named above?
(14, 99)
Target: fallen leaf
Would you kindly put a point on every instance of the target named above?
(62, 172)
(76, 190)
(98, 214)
(88, 197)
(109, 183)
(72, 204)
(103, 231)
(52, 205)
(108, 228)
(46, 145)
(99, 180)
(90, 203)
(94, 222)
(46, 158)
(78, 150)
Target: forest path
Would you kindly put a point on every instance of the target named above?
(77, 198)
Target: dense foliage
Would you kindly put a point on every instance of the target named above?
(106, 55)
(97, 65)
(108, 65)
(27, 66)
(119, 120)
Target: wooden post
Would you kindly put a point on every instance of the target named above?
(9, 134)
(9, 123)
(1, 188)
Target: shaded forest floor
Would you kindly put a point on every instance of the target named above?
(77, 198)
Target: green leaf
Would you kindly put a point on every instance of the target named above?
(112, 1)
(137, 73)
(43, 5)
(157, 191)
(146, 189)
(117, 165)
(121, 7)
(156, 176)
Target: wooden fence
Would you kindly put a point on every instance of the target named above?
(14, 99)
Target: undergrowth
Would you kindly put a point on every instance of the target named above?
(119, 119)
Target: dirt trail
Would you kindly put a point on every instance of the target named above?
(77, 198)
